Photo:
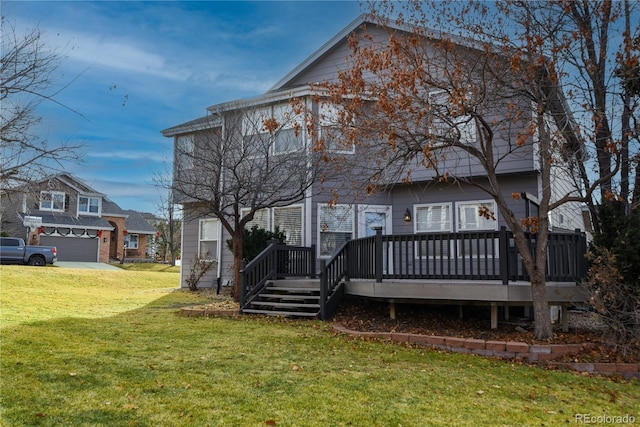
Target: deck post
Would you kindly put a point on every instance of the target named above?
(494, 315)
(503, 245)
(565, 318)
(312, 263)
(378, 254)
(323, 288)
(392, 309)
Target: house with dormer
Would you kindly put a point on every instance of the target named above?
(427, 207)
(83, 223)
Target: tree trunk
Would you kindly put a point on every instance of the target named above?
(237, 264)
(543, 329)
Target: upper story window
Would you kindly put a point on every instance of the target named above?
(185, 150)
(52, 201)
(89, 205)
(272, 130)
(331, 132)
(449, 122)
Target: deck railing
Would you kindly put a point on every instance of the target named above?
(481, 255)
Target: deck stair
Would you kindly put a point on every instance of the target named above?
(288, 298)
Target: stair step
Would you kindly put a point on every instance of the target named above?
(292, 290)
(291, 296)
(279, 313)
(284, 304)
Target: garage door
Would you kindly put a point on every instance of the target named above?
(73, 248)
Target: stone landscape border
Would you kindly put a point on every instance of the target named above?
(543, 354)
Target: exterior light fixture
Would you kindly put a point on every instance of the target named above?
(407, 216)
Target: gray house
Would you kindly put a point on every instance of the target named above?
(329, 215)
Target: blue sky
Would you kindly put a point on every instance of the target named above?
(135, 68)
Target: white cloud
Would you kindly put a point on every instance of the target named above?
(156, 156)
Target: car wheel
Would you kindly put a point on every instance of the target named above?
(37, 261)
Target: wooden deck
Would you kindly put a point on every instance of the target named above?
(463, 291)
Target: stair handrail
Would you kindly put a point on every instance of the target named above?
(274, 261)
(333, 274)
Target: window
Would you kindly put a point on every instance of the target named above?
(131, 241)
(479, 215)
(185, 150)
(278, 126)
(261, 219)
(89, 205)
(336, 227)
(449, 122)
(52, 201)
(433, 218)
(331, 131)
(287, 140)
(289, 221)
(208, 238)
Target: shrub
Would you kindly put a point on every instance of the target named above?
(613, 283)
(256, 240)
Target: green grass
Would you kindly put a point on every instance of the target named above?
(106, 348)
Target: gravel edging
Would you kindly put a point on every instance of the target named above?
(543, 355)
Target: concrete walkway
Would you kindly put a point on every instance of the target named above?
(89, 265)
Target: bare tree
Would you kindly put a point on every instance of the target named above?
(168, 226)
(245, 159)
(27, 78)
(461, 93)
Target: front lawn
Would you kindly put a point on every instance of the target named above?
(106, 348)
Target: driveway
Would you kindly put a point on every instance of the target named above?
(89, 265)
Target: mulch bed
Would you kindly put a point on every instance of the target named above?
(442, 320)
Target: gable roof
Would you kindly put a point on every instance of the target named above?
(201, 123)
(136, 224)
(361, 20)
(318, 54)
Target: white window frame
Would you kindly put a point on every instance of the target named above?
(479, 221)
(89, 199)
(345, 226)
(464, 124)
(445, 227)
(330, 124)
(128, 239)
(489, 225)
(52, 200)
(274, 216)
(288, 121)
(266, 219)
(185, 151)
(206, 239)
(449, 212)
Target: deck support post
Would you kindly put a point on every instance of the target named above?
(392, 309)
(565, 318)
(506, 312)
(460, 311)
(494, 315)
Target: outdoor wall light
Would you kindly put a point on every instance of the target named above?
(104, 239)
(407, 216)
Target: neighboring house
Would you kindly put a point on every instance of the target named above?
(398, 208)
(81, 222)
